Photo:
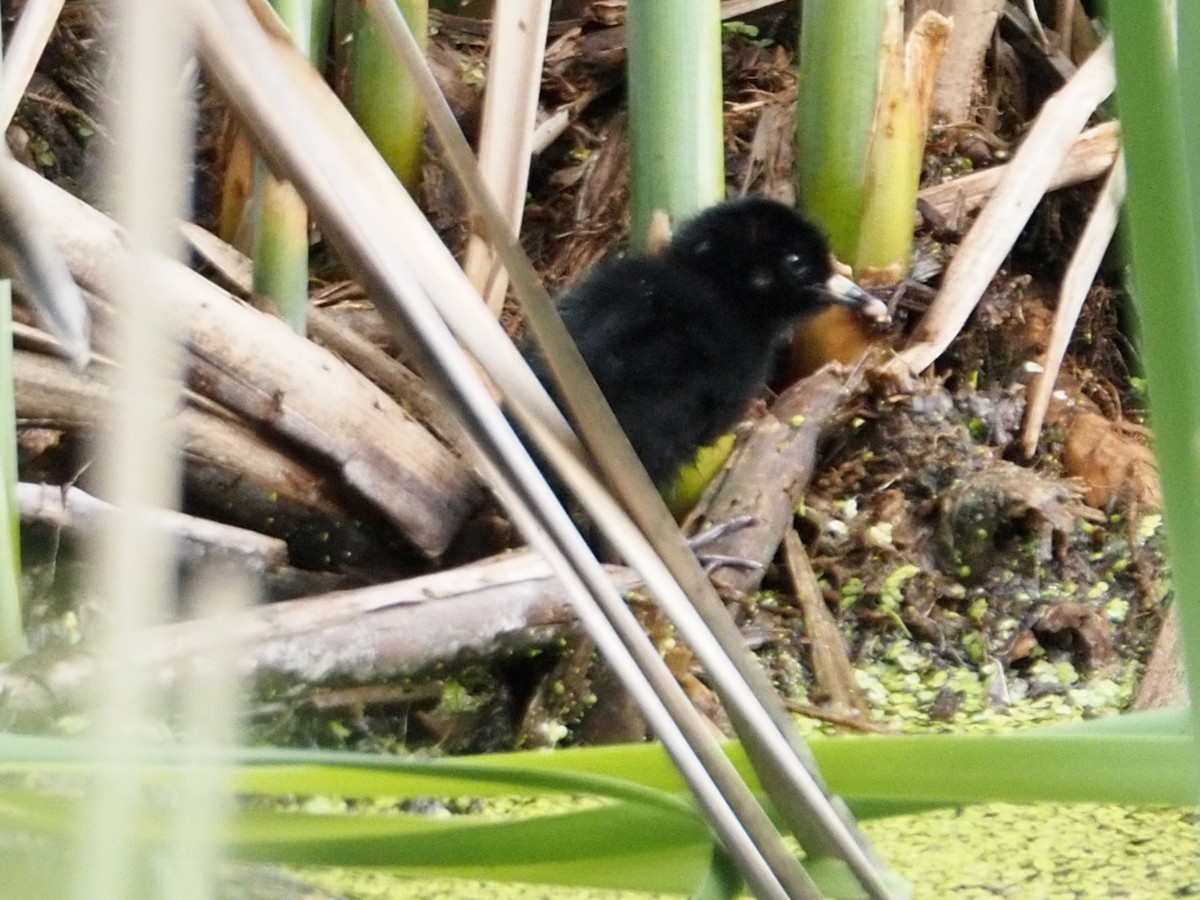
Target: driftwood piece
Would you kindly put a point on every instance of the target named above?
(768, 477)
(1091, 155)
(393, 376)
(230, 471)
(1029, 39)
(346, 340)
(959, 76)
(195, 539)
(833, 673)
(1165, 682)
(385, 632)
(987, 244)
(255, 365)
(197, 542)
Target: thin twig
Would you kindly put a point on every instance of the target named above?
(1076, 283)
(991, 238)
(21, 56)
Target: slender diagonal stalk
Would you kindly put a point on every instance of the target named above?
(510, 106)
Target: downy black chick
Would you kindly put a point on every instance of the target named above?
(680, 343)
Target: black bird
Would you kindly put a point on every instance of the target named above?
(680, 343)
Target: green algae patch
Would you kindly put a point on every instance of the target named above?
(1045, 851)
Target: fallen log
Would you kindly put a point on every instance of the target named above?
(386, 632)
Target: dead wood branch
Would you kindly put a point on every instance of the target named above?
(254, 364)
(71, 509)
(1091, 155)
(958, 78)
(345, 340)
(381, 633)
(768, 477)
(833, 673)
(238, 475)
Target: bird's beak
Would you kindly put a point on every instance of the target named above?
(842, 290)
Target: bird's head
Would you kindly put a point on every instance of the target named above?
(770, 258)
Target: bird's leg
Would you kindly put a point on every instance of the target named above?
(713, 561)
(712, 532)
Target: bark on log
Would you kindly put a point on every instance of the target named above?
(254, 364)
(230, 472)
(768, 477)
(1091, 156)
(381, 633)
(196, 539)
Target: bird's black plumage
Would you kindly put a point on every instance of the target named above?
(680, 343)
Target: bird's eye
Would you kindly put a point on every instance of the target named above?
(795, 262)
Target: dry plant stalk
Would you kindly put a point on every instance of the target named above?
(510, 107)
(1025, 181)
(255, 365)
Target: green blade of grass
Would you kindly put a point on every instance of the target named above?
(645, 833)
(12, 635)
(1084, 761)
(1163, 161)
